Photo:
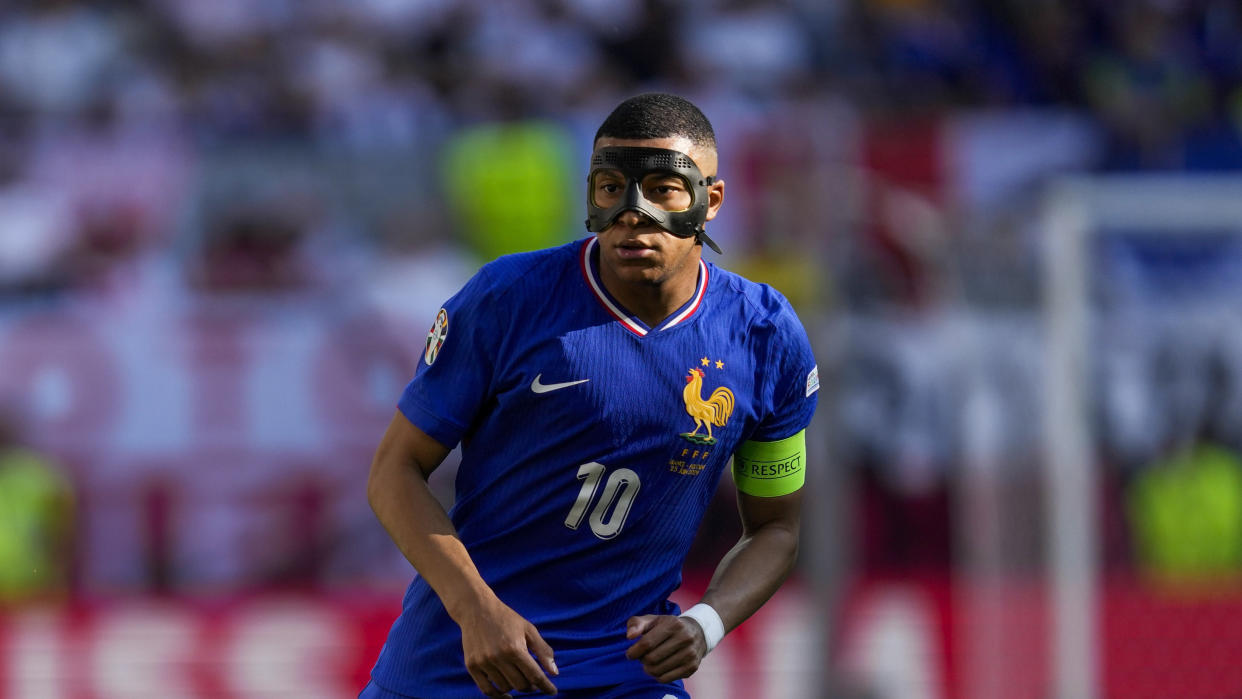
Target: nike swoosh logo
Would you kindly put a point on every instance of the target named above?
(538, 387)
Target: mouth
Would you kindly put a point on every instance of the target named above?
(634, 249)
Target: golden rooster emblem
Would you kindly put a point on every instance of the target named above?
(715, 410)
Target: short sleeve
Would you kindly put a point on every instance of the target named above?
(456, 368)
(794, 380)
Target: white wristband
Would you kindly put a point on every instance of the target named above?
(709, 621)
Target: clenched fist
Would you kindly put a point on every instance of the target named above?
(669, 647)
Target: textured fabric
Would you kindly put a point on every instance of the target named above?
(591, 446)
(641, 689)
(646, 688)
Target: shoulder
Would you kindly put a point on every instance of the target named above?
(761, 306)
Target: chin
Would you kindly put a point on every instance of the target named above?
(654, 276)
(634, 272)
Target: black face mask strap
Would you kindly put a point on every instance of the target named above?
(702, 238)
(701, 235)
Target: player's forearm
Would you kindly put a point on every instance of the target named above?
(421, 529)
(751, 572)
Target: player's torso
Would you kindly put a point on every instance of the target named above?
(589, 464)
(602, 451)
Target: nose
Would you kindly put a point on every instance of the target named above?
(631, 218)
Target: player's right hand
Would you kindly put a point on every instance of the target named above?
(498, 644)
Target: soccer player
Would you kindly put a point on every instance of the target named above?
(598, 390)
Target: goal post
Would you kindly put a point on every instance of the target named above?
(1074, 212)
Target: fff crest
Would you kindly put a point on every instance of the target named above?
(714, 410)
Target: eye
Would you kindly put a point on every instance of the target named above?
(665, 190)
(606, 189)
(669, 192)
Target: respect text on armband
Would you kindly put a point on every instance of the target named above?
(772, 469)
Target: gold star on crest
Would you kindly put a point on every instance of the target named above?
(719, 364)
(704, 361)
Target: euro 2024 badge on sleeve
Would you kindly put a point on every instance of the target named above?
(435, 337)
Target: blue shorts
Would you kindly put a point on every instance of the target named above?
(631, 690)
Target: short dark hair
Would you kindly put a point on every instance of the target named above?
(658, 115)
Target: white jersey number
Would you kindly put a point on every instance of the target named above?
(613, 506)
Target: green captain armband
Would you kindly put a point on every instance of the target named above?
(769, 469)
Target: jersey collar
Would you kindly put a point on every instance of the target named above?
(589, 259)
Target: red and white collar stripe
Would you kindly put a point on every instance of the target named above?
(632, 323)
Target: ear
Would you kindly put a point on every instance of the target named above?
(715, 197)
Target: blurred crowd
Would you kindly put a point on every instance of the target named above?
(1160, 75)
(108, 106)
(884, 159)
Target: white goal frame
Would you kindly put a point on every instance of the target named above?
(1075, 210)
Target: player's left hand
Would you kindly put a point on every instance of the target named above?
(669, 647)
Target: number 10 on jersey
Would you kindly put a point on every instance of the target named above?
(613, 506)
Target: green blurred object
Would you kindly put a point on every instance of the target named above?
(510, 186)
(36, 517)
(799, 277)
(1187, 516)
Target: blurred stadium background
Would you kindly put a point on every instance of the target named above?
(1010, 226)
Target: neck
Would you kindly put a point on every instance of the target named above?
(652, 301)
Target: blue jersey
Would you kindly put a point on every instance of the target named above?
(591, 446)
